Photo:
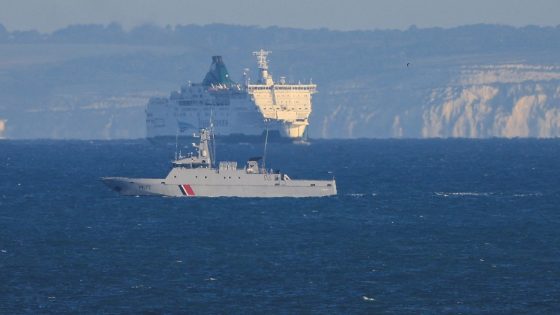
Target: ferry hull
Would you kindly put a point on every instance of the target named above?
(273, 136)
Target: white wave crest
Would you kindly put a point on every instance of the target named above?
(463, 194)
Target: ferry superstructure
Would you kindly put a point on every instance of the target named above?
(246, 109)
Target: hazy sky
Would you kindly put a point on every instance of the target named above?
(48, 15)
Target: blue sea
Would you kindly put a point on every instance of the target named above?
(418, 227)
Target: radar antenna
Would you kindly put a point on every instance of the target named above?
(261, 58)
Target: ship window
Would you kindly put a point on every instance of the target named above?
(230, 177)
(312, 185)
(239, 177)
(205, 177)
(329, 185)
(196, 177)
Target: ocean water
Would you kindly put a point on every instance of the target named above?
(418, 227)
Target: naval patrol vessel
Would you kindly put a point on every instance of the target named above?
(194, 175)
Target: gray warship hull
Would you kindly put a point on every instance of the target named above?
(195, 176)
(222, 186)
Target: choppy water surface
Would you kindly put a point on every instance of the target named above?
(419, 227)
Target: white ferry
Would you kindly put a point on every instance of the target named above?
(236, 110)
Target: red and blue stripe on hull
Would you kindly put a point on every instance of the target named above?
(186, 190)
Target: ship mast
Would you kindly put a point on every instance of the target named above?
(265, 145)
(212, 139)
(265, 77)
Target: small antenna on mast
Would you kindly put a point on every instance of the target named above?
(265, 143)
(213, 157)
(246, 78)
(176, 142)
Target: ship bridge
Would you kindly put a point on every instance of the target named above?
(288, 103)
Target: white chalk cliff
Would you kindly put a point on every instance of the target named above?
(502, 101)
(513, 100)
